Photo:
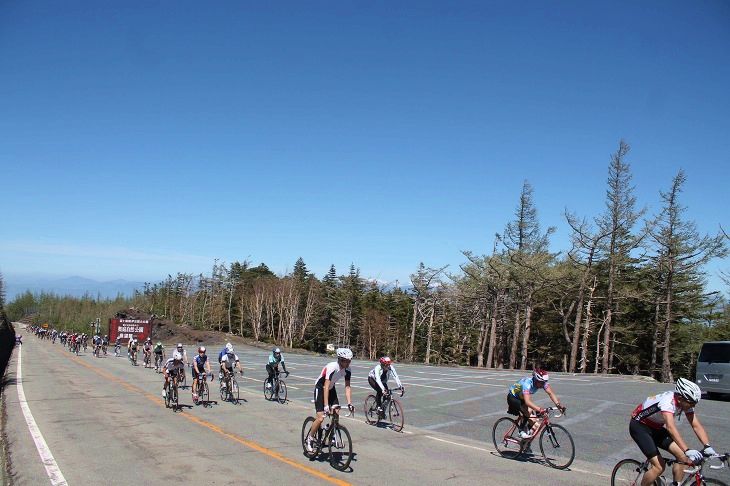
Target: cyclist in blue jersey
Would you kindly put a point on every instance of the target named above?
(519, 399)
(275, 358)
(201, 365)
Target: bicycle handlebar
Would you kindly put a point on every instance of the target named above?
(724, 459)
(333, 408)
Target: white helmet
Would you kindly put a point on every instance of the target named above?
(688, 390)
(176, 356)
(179, 346)
(344, 353)
(229, 348)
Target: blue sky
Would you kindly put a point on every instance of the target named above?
(139, 139)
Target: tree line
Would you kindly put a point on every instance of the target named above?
(629, 296)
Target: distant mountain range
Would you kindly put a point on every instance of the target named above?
(73, 286)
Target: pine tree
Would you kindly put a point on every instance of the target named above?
(527, 248)
(618, 222)
(681, 254)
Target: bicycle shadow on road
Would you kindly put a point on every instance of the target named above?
(528, 457)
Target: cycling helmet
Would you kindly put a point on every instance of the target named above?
(179, 346)
(176, 356)
(149, 340)
(385, 360)
(159, 343)
(201, 349)
(276, 351)
(344, 353)
(688, 390)
(540, 374)
(229, 348)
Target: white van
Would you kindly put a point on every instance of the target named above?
(713, 368)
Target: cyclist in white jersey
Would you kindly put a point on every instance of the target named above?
(325, 393)
(184, 354)
(653, 426)
(173, 367)
(378, 379)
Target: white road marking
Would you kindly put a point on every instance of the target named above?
(52, 469)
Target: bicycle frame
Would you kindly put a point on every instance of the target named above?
(693, 475)
(387, 398)
(543, 422)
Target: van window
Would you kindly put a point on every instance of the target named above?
(715, 353)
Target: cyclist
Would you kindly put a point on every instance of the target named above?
(229, 361)
(117, 345)
(181, 350)
(519, 399)
(147, 349)
(172, 369)
(325, 393)
(378, 379)
(201, 365)
(272, 367)
(159, 351)
(133, 343)
(653, 425)
(222, 353)
(105, 343)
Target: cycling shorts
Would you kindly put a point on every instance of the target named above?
(514, 404)
(196, 374)
(319, 398)
(649, 439)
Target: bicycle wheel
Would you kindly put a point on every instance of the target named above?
(175, 397)
(557, 446)
(371, 410)
(626, 472)
(167, 396)
(505, 436)
(713, 481)
(268, 392)
(281, 392)
(306, 427)
(184, 381)
(395, 415)
(204, 394)
(235, 396)
(340, 448)
(223, 391)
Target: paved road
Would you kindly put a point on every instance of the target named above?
(102, 418)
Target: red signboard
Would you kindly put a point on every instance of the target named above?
(125, 329)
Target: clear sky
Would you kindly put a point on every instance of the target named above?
(139, 139)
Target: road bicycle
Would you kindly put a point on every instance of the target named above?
(133, 357)
(159, 361)
(331, 434)
(202, 390)
(184, 380)
(117, 348)
(391, 407)
(229, 388)
(556, 444)
(171, 393)
(147, 360)
(630, 472)
(276, 390)
(104, 348)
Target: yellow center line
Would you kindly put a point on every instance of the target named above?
(192, 418)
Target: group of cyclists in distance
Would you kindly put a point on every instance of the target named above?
(652, 424)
